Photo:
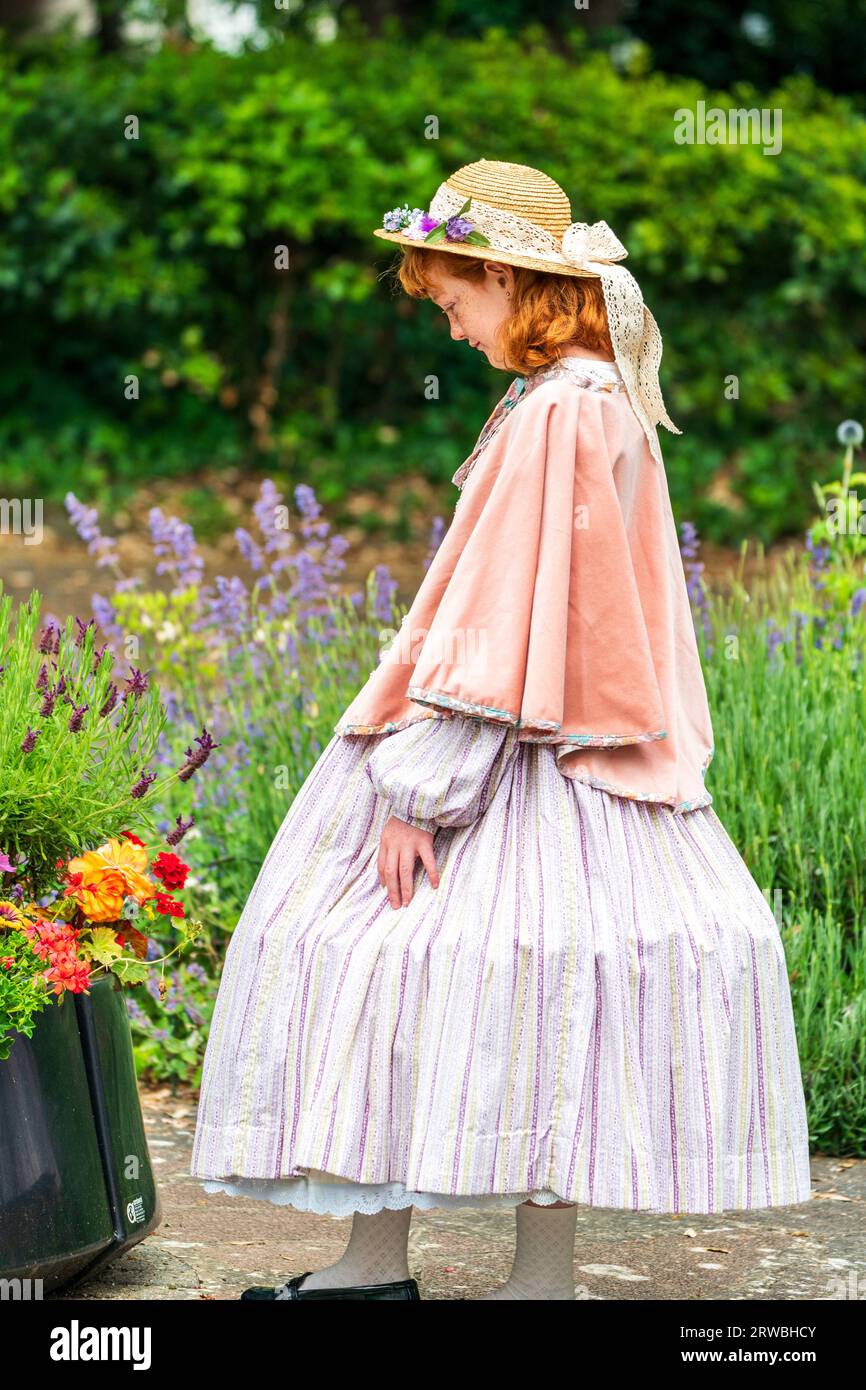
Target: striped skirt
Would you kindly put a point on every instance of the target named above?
(592, 1007)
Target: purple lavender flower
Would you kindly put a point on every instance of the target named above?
(49, 642)
(174, 538)
(82, 630)
(857, 602)
(384, 588)
(266, 510)
(696, 588)
(142, 784)
(42, 681)
(175, 836)
(47, 707)
(249, 550)
(106, 617)
(775, 638)
(229, 607)
(29, 740)
(109, 702)
(136, 684)
(135, 1011)
(86, 522)
(437, 531)
(77, 717)
(819, 560)
(307, 502)
(800, 621)
(195, 759)
(689, 540)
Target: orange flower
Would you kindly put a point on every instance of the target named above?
(108, 875)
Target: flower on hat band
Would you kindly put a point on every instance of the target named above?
(418, 225)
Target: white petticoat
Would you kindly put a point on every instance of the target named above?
(343, 1198)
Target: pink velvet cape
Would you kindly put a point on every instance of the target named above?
(557, 604)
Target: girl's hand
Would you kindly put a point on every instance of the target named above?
(398, 848)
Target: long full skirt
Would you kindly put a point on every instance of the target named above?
(593, 1006)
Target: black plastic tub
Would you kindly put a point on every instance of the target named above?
(76, 1182)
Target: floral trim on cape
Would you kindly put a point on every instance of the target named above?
(507, 716)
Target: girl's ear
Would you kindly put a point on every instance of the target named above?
(503, 275)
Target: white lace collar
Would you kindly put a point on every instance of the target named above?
(591, 366)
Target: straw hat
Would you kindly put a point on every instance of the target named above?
(518, 215)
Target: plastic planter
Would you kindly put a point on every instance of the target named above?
(76, 1183)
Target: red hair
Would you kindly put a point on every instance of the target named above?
(549, 310)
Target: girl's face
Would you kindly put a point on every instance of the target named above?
(475, 309)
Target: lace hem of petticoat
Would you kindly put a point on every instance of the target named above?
(343, 1198)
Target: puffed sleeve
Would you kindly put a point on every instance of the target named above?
(442, 771)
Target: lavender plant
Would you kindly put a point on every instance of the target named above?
(268, 663)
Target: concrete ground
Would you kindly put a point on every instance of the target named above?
(210, 1246)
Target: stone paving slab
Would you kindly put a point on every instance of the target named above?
(211, 1246)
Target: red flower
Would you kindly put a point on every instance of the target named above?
(57, 943)
(168, 905)
(7, 962)
(170, 870)
(134, 838)
(69, 974)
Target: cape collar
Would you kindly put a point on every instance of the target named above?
(587, 371)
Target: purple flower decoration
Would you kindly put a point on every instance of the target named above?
(397, 218)
(6, 865)
(458, 228)
(420, 226)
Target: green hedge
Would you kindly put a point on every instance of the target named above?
(155, 257)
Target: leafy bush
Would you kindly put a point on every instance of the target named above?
(154, 257)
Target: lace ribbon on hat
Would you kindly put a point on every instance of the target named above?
(634, 333)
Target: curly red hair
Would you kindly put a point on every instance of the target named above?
(549, 310)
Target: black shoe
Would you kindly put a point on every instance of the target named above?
(401, 1289)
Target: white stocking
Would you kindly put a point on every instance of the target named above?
(376, 1254)
(543, 1265)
